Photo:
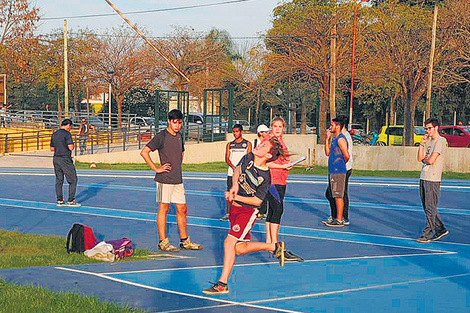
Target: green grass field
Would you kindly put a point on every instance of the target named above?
(19, 299)
(19, 250)
(221, 167)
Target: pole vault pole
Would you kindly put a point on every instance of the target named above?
(148, 41)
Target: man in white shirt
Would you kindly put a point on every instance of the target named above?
(431, 152)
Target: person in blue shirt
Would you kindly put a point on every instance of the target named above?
(336, 148)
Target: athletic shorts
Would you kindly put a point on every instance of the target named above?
(229, 182)
(170, 193)
(242, 219)
(337, 183)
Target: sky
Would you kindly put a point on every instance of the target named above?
(247, 18)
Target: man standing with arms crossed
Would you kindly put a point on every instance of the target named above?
(62, 146)
(234, 152)
(349, 165)
(169, 180)
(336, 148)
(431, 152)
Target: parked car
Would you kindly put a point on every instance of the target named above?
(456, 136)
(197, 128)
(97, 122)
(309, 128)
(245, 124)
(357, 129)
(395, 135)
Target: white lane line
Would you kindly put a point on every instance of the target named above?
(370, 257)
(198, 309)
(296, 181)
(328, 293)
(284, 229)
(172, 291)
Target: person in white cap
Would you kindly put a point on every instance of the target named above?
(263, 132)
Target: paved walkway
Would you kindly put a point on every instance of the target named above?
(31, 159)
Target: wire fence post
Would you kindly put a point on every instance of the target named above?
(124, 141)
(37, 140)
(108, 141)
(22, 139)
(6, 143)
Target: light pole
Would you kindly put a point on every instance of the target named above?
(353, 68)
(110, 72)
(87, 98)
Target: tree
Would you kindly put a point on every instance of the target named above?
(17, 23)
(122, 61)
(398, 48)
(202, 58)
(300, 44)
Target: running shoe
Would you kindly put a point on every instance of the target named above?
(328, 220)
(440, 235)
(279, 252)
(346, 221)
(224, 218)
(72, 204)
(218, 288)
(289, 256)
(423, 239)
(335, 223)
(60, 203)
(188, 245)
(165, 245)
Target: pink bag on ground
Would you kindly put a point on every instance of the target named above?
(122, 247)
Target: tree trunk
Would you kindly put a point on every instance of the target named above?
(258, 100)
(407, 126)
(324, 97)
(119, 99)
(393, 109)
(303, 117)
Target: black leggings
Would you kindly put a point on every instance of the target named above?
(275, 207)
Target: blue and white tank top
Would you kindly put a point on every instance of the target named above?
(336, 163)
(237, 151)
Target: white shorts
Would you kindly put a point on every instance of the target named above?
(169, 193)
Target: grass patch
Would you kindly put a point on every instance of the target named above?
(18, 299)
(18, 250)
(221, 167)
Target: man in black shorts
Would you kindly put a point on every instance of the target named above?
(62, 146)
(169, 180)
(251, 180)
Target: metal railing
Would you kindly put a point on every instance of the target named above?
(102, 140)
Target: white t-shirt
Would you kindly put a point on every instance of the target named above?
(434, 172)
(349, 164)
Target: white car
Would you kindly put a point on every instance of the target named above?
(244, 123)
(213, 124)
(145, 123)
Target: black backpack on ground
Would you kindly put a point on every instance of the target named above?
(81, 238)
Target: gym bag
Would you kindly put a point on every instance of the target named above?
(122, 247)
(80, 238)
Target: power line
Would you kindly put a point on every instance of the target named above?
(149, 11)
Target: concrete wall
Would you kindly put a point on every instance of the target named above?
(398, 158)
(365, 157)
(299, 145)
